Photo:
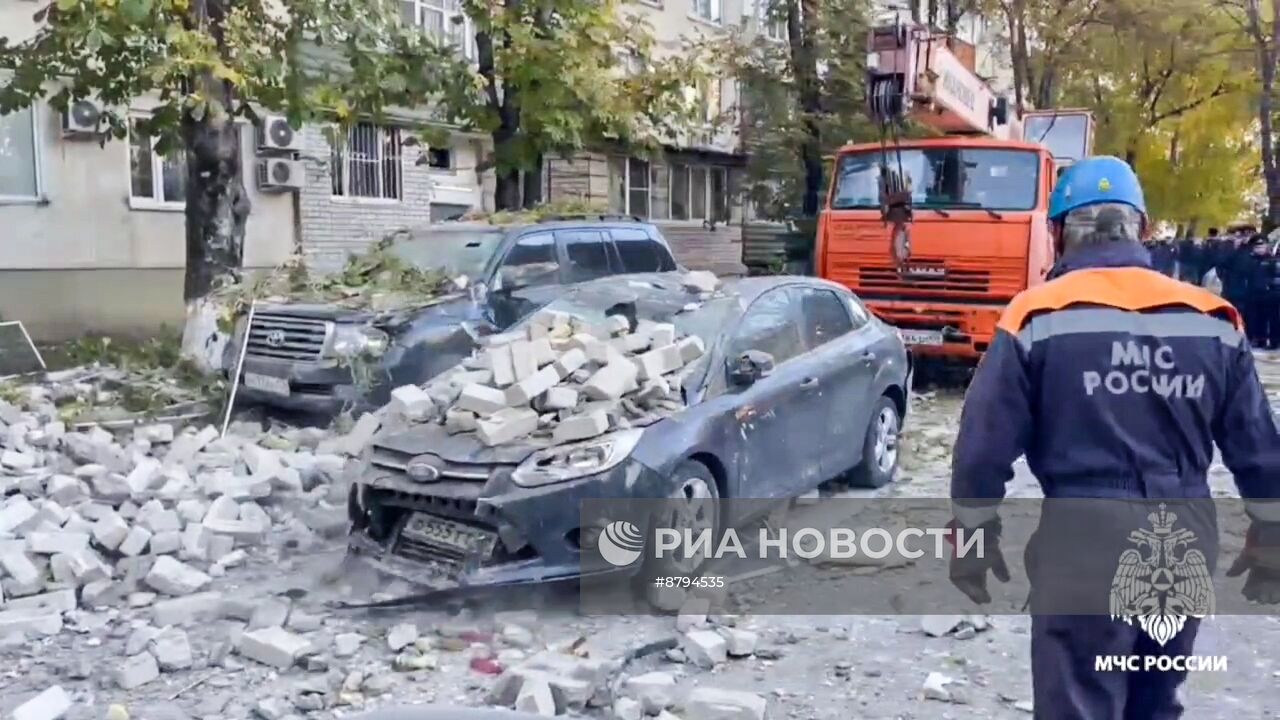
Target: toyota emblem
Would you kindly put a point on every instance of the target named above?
(275, 338)
(424, 469)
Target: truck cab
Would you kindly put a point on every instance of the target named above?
(979, 232)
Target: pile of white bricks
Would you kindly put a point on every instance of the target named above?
(92, 519)
(559, 378)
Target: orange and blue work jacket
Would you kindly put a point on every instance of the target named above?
(1116, 381)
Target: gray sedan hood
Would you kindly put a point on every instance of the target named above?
(464, 448)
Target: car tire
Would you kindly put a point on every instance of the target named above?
(879, 447)
(693, 483)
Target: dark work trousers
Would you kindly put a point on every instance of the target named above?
(1068, 686)
(1269, 319)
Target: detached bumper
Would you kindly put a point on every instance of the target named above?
(538, 531)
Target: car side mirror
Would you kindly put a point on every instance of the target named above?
(750, 367)
(479, 293)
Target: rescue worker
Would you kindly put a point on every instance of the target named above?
(1163, 257)
(1266, 296)
(1190, 257)
(1032, 396)
(1239, 282)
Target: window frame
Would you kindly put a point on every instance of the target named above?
(785, 291)
(557, 252)
(36, 162)
(626, 185)
(566, 238)
(811, 341)
(715, 10)
(468, 48)
(708, 197)
(157, 202)
(380, 141)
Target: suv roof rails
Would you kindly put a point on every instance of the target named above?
(597, 217)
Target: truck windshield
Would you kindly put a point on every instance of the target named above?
(460, 252)
(944, 177)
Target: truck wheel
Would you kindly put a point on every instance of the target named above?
(879, 447)
(693, 505)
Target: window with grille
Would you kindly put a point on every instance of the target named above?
(366, 163)
(444, 20)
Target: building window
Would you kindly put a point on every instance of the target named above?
(442, 19)
(19, 171)
(707, 9)
(773, 20)
(630, 185)
(697, 191)
(440, 158)
(367, 164)
(155, 177)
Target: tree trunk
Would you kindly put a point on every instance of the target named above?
(801, 31)
(533, 184)
(217, 207)
(506, 105)
(506, 194)
(1267, 48)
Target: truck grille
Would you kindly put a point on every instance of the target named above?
(988, 279)
(287, 337)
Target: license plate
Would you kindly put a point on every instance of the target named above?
(459, 537)
(922, 337)
(267, 384)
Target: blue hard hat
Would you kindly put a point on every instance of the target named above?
(1094, 180)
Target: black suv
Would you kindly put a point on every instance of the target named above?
(298, 355)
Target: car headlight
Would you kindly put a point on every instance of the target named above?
(568, 462)
(355, 340)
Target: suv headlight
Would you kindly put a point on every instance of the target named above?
(354, 340)
(569, 462)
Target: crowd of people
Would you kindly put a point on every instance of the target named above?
(1244, 262)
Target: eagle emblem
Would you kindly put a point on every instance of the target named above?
(1163, 581)
(1104, 185)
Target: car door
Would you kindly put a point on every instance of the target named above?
(528, 277)
(778, 420)
(843, 350)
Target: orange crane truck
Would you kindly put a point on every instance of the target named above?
(937, 235)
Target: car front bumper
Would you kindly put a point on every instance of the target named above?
(323, 387)
(540, 535)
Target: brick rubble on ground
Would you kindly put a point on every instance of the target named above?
(93, 518)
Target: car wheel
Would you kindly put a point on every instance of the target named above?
(879, 447)
(693, 506)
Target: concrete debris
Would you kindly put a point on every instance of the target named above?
(137, 670)
(48, 705)
(656, 691)
(706, 703)
(701, 281)
(273, 646)
(401, 636)
(739, 642)
(172, 650)
(935, 687)
(535, 698)
(173, 577)
(705, 648)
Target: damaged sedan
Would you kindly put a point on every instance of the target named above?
(638, 386)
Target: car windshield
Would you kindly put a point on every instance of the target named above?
(463, 252)
(944, 177)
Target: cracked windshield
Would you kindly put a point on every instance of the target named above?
(639, 360)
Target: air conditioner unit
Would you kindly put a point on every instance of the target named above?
(279, 175)
(275, 133)
(81, 119)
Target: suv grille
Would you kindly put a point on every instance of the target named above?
(287, 337)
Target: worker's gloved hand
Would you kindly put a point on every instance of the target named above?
(1261, 558)
(969, 573)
